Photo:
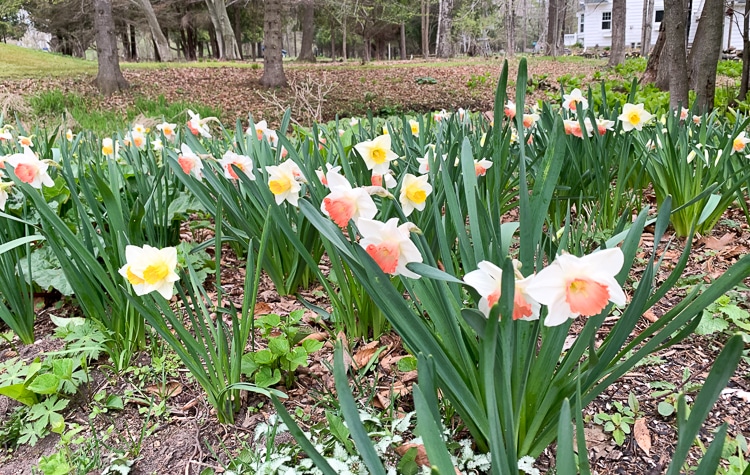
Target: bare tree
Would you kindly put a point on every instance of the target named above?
(445, 25)
(308, 32)
(745, 54)
(704, 55)
(273, 65)
(617, 51)
(676, 57)
(510, 27)
(651, 74)
(425, 17)
(555, 18)
(160, 41)
(225, 39)
(648, 18)
(109, 79)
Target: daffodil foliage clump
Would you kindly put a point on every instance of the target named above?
(479, 241)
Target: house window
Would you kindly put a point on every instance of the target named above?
(659, 16)
(606, 20)
(580, 29)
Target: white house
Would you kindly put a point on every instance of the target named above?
(595, 23)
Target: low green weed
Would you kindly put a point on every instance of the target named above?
(621, 421)
(287, 350)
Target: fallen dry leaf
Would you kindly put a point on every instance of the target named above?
(262, 308)
(719, 244)
(363, 356)
(169, 390)
(642, 435)
(421, 459)
(650, 315)
(318, 336)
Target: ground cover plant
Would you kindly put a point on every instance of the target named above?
(518, 265)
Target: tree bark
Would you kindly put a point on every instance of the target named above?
(162, 44)
(554, 15)
(648, 22)
(425, 16)
(333, 40)
(510, 28)
(745, 54)
(273, 65)
(308, 32)
(674, 17)
(344, 55)
(225, 39)
(402, 45)
(704, 55)
(109, 79)
(617, 50)
(650, 75)
(445, 40)
(133, 44)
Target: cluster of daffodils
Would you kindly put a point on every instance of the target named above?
(570, 287)
(26, 165)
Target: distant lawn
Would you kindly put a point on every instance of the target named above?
(17, 62)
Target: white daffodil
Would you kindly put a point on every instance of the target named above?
(345, 203)
(414, 193)
(377, 153)
(149, 269)
(389, 245)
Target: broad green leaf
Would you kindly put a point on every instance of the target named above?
(20, 393)
(279, 346)
(46, 383)
(266, 378)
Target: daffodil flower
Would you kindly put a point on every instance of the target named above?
(157, 145)
(377, 153)
(529, 120)
(386, 180)
(29, 169)
(739, 142)
(389, 245)
(575, 101)
(231, 159)
(197, 125)
(510, 109)
(69, 135)
(414, 193)
(439, 116)
(487, 281)
(283, 182)
(25, 141)
(573, 286)
(4, 186)
(168, 130)
(602, 125)
(322, 174)
(481, 166)
(149, 269)
(190, 163)
(345, 203)
(414, 126)
(633, 117)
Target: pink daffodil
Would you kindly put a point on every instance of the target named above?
(29, 169)
(739, 142)
(386, 181)
(25, 141)
(389, 245)
(573, 286)
(231, 159)
(481, 166)
(487, 281)
(190, 163)
(575, 101)
(344, 202)
(510, 109)
(197, 125)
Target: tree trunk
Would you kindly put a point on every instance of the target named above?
(510, 28)
(745, 54)
(704, 55)
(402, 45)
(617, 51)
(109, 79)
(650, 75)
(648, 22)
(333, 40)
(308, 32)
(273, 65)
(237, 28)
(225, 39)
(445, 21)
(133, 44)
(425, 11)
(553, 28)
(674, 17)
(162, 44)
(125, 38)
(344, 53)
